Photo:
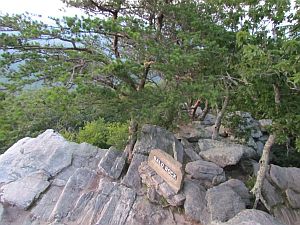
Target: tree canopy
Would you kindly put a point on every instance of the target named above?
(145, 59)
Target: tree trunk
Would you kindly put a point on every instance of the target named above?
(219, 118)
(116, 38)
(205, 111)
(263, 164)
(132, 138)
(194, 109)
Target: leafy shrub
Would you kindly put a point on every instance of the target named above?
(100, 133)
(94, 133)
(117, 134)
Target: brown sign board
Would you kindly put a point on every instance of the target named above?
(166, 167)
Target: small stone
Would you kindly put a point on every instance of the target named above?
(264, 123)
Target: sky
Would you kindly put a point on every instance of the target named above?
(45, 8)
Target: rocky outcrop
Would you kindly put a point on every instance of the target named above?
(113, 163)
(50, 181)
(281, 190)
(154, 137)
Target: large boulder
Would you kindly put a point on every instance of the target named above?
(208, 173)
(286, 178)
(155, 137)
(227, 155)
(281, 191)
(252, 217)
(223, 203)
(195, 205)
(193, 132)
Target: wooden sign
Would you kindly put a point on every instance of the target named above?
(166, 167)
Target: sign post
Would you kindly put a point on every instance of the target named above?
(167, 167)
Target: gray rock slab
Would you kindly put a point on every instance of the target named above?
(208, 173)
(286, 177)
(223, 156)
(195, 204)
(271, 195)
(44, 207)
(80, 180)
(223, 203)
(193, 156)
(209, 120)
(132, 178)
(287, 215)
(193, 132)
(240, 188)
(112, 163)
(49, 152)
(144, 212)
(25, 191)
(205, 144)
(252, 217)
(293, 198)
(154, 137)
(260, 147)
(118, 207)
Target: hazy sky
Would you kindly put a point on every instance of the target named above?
(40, 7)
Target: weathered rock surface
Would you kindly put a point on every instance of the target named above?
(195, 205)
(208, 173)
(252, 217)
(154, 137)
(223, 203)
(50, 181)
(240, 188)
(112, 163)
(24, 191)
(193, 132)
(228, 154)
(286, 178)
(281, 190)
(132, 178)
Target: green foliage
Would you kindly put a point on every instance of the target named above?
(250, 182)
(132, 65)
(100, 133)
